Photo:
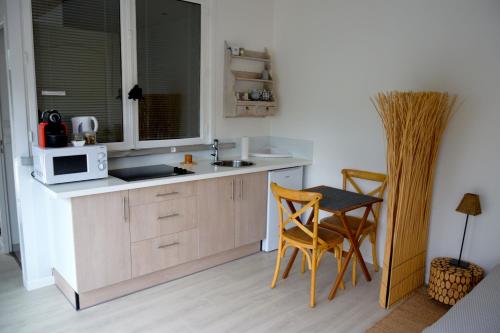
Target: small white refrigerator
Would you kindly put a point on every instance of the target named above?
(290, 178)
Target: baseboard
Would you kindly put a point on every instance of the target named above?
(38, 283)
(94, 297)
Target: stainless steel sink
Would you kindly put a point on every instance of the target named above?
(233, 163)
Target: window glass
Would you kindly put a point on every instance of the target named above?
(168, 68)
(77, 48)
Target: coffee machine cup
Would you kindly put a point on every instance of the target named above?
(84, 124)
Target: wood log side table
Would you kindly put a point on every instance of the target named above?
(449, 283)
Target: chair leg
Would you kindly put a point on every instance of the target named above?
(303, 264)
(313, 278)
(290, 263)
(373, 240)
(338, 256)
(278, 263)
(354, 262)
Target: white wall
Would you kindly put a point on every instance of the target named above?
(332, 56)
(250, 24)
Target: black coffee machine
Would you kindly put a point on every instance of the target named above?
(52, 132)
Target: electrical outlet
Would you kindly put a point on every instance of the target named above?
(173, 149)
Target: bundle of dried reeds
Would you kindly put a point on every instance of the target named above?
(414, 123)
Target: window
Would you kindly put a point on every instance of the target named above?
(90, 53)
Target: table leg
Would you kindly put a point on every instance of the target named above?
(354, 248)
(356, 238)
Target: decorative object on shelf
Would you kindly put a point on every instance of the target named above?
(260, 82)
(235, 50)
(266, 95)
(414, 123)
(255, 95)
(448, 283)
(265, 74)
(470, 205)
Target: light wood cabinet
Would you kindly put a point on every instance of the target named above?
(216, 215)
(250, 208)
(162, 218)
(162, 252)
(127, 240)
(102, 240)
(161, 193)
(232, 212)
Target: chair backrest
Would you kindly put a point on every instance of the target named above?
(308, 200)
(351, 177)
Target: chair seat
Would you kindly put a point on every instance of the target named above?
(296, 234)
(335, 224)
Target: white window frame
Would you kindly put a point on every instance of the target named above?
(129, 78)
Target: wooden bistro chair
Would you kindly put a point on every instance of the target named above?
(312, 240)
(352, 177)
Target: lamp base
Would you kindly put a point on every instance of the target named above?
(463, 264)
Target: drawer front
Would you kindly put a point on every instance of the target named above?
(163, 252)
(162, 218)
(161, 193)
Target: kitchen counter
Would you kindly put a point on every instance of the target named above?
(202, 170)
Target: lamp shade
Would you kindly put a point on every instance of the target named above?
(470, 204)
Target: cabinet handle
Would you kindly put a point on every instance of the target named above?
(232, 189)
(168, 216)
(167, 194)
(125, 209)
(241, 188)
(168, 245)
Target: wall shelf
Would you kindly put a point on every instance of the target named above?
(249, 76)
(251, 58)
(238, 81)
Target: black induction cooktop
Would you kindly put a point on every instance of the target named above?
(148, 172)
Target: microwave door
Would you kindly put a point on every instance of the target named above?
(68, 165)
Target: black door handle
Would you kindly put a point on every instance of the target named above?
(136, 93)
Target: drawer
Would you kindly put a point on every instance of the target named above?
(266, 110)
(161, 193)
(255, 110)
(162, 218)
(163, 252)
(245, 109)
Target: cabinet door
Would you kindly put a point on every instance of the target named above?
(102, 240)
(251, 208)
(216, 215)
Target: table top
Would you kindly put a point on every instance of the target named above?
(338, 201)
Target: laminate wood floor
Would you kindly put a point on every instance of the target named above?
(234, 297)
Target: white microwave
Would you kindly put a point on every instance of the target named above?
(70, 164)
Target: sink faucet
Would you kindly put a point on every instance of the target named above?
(215, 147)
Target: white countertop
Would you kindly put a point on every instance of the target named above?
(203, 170)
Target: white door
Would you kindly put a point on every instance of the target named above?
(9, 238)
(5, 245)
